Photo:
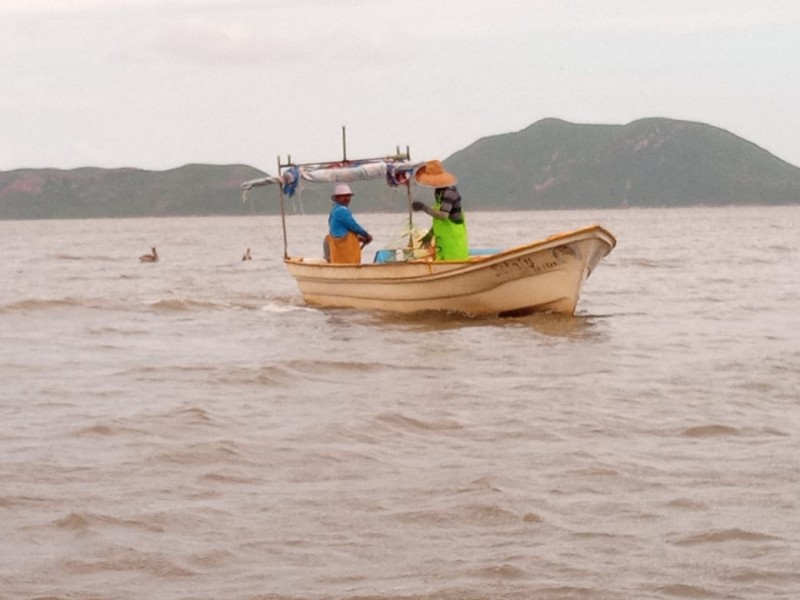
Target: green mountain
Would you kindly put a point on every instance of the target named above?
(92, 192)
(551, 164)
(651, 162)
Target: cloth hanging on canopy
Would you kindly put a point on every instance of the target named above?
(268, 180)
(400, 174)
(394, 173)
(345, 174)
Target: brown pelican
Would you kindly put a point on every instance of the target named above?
(149, 257)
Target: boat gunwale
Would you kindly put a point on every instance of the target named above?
(460, 267)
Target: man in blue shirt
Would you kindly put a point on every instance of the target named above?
(343, 243)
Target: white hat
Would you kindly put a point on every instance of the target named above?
(342, 189)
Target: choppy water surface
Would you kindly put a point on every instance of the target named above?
(189, 429)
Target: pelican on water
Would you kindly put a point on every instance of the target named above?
(247, 255)
(149, 257)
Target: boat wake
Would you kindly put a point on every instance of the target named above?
(285, 305)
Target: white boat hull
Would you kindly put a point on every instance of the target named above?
(544, 276)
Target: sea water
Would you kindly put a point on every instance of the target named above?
(189, 429)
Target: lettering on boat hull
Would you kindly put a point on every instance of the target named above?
(536, 265)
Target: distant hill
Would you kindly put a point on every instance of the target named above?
(650, 162)
(92, 192)
(551, 164)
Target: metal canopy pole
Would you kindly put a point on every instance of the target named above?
(283, 212)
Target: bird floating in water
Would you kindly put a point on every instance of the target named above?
(247, 255)
(153, 257)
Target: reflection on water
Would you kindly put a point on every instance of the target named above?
(577, 326)
(542, 323)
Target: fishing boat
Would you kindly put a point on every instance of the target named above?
(541, 276)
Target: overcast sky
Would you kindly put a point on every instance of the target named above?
(156, 84)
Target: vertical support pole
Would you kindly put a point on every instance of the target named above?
(410, 216)
(283, 212)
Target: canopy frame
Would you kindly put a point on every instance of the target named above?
(288, 170)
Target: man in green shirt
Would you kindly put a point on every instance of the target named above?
(449, 225)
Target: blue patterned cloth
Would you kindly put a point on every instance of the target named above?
(291, 177)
